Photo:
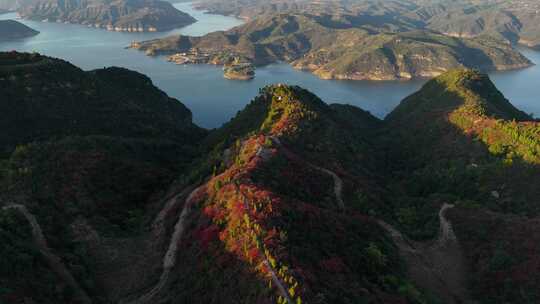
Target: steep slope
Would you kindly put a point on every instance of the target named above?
(268, 225)
(512, 20)
(459, 140)
(347, 51)
(469, 102)
(80, 149)
(273, 171)
(292, 201)
(45, 98)
(502, 252)
(11, 29)
(272, 216)
(460, 132)
(387, 10)
(117, 15)
(409, 55)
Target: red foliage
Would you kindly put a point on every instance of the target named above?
(210, 211)
(253, 254)
(238, 210)
(243, 213)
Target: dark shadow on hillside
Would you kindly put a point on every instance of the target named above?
(453, 160)
(209, 272)
(460, 160)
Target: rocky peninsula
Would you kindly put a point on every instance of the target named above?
(310, 43)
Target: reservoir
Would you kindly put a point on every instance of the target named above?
(213, 99)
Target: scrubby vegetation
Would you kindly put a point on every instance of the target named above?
(290, 194)
(476, 143)
(96, 146)
(465, 143)
(345, 51)
(22, 271)
(512, 20)
(317, 253)
(503, 255)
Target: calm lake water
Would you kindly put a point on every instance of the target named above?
(213, 99)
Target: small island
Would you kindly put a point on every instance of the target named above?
(11, 29)
(239, 70)
(116, 15)
(235, 65)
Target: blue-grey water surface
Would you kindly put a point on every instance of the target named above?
(213, 99)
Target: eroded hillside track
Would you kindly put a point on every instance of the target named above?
(54, 262)
(437, 267)
(170, 257)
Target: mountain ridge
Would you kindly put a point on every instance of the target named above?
(514, 20)
(312, 43)
(292, 201)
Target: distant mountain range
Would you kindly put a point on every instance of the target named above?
(11, 29)
(110, 194)
(334, 50)
(115, 15)
(514, 20)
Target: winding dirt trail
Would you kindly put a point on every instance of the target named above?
(338, 185)
(447, 232)
(171, 205)
(338, 182)
(54, 262)
(438, 266)
(169, 259)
